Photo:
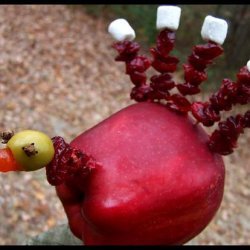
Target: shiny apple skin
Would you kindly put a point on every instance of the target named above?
(158, 183)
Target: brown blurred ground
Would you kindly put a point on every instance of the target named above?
(58, 75)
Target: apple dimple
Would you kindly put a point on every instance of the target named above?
(158, 183)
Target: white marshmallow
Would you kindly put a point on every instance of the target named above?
(120, 30)
(214, 29)
(168, 17)
(248, 65)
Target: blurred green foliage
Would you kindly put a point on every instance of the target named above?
(143, 17)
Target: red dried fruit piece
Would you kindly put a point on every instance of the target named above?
(68, 162)
(247, 119)
(220, 144)
(224, 139)
(163, 67)
(224, 98)
(165, 42)
(140, 93)
(127, 50)
(179, 103)
(242, 96)
(187, 89)
(160, 90)
(194, 76)
(163, 64)
(232, 127)
(203, 55)
(138, 64)
(138, 78)
(198, 62)
(243, 80)
(244, 76)
(208, 51)
(204, 113)
(162, 82)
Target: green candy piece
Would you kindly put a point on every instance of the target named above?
(32, 149)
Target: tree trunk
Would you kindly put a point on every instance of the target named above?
(237, 45)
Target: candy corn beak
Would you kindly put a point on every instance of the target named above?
(8, 162)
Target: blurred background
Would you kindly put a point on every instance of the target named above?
(58, 75)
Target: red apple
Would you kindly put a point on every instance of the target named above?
(158, 182)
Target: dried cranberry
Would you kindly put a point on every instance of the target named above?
(243, 82)
(187, 89)
(244, 76)
(194, 76)
(247, 119)
(138, 64)
(138, 78)
(163, 64)
(220, 144)
(68, 162)
(163, 67)
(224, 98)
(208, 51)
(165, 41)
(141, 93)
(224, 139)
(127, 50)
(243, 95)
(179, 103)
(204, 113)
(232, 127)
(162, 82)
(198, 62)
